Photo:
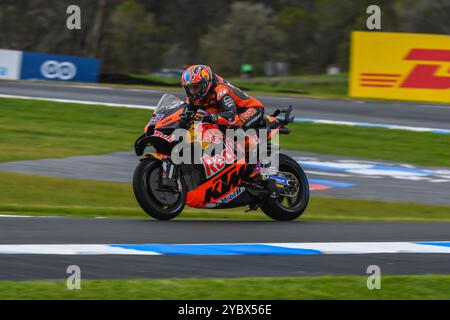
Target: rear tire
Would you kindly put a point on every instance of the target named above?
(162, 205)
(274, 208)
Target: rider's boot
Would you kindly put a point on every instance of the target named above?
(256, 171)
(263, 170)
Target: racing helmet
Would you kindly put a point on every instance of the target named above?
(196, 81)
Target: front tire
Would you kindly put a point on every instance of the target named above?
(287, 207)
(157, 203)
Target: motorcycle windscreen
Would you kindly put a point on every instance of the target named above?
(168, 102)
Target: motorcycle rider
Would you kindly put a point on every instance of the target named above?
(224, 104)
(219, 98)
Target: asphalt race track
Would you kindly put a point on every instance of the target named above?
(106, 231)
(389, 181)
(395, 113)
(362, 179)
(359, 178)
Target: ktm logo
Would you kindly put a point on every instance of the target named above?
(225, 183)
(422, 76)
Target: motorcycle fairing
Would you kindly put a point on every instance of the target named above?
(215, 189)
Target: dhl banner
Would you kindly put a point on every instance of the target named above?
(404, 66)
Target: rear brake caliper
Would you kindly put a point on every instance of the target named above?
(276, 184)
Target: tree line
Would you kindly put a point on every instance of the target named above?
(138, 36)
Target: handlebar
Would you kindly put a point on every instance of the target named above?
(287, 115)
(190, 111)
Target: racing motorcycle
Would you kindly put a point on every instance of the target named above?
(213, 182)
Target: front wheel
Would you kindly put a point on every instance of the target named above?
(290, 203)
(156, 202)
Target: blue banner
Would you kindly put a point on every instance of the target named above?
(54, 67)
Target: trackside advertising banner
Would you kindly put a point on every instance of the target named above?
(10, 61)
(58, 67)
(17, 65)
(404, 66)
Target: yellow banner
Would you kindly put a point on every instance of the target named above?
(404, 66)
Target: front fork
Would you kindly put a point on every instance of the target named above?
(169, 172)
(169, 169)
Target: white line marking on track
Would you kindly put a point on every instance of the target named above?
(366, 247)
(69, 249)
(231, 248)
(320, 121)
(122, 105)
(370, 125)
(13, 216)
(327, 173)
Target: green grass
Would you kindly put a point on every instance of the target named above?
(422, 148)
(33, 129)
(342, 287)
(36, 129)
(316, 85)
(167, 80)
(22, 194)
(40, 129)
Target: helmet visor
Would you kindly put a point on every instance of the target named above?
(196, 88)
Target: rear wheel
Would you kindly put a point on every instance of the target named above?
(156, 202)
(292, 202)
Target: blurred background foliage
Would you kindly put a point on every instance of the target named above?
(138, 36)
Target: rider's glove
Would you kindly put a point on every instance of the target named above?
(208, 118)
